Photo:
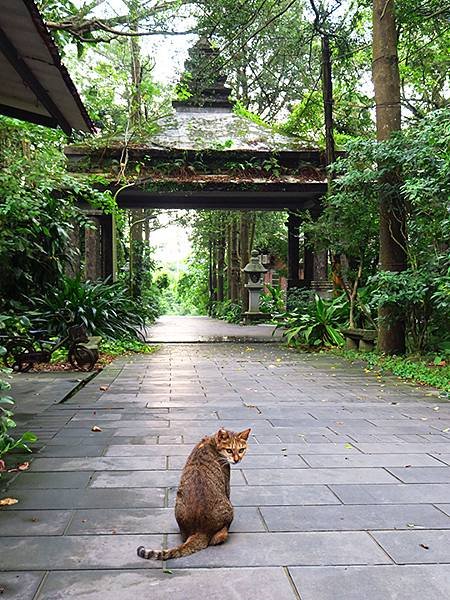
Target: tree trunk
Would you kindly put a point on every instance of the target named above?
(327, 94)
(229, 242)
(210, 277)
(245, 256)
(135, 267)
(293, 224)
(234, 262)
(386, 81)
(214, 270)
(92, 251)
(221, 244)
(136, 68)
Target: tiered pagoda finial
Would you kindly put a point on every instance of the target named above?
(203, 80)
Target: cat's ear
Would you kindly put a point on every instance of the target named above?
(222, 434)
(243, 435)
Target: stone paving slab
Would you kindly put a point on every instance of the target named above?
(160, 520)
(316, 476)
(351, 517)
(35, 481)
(146, 479)
(392, 494)
(19, 585)
(285, 549)
(60, 499)
(418, 547)
(34, 522)
(371, 460)
(76, 552)
(437, 474)
(377, 583)
(276, 495)
(98, 464)
(346, 475)
(179, 584)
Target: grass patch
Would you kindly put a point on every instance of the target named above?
(115, 348)
(419, 369)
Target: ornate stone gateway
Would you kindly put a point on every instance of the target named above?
(207, 155)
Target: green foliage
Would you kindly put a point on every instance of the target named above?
(319, 325)
(242, 111)
(272, 301)
(104, 308)
(37, 209)
(299, 300)
(227, 310)
(349, 223)
(192, 287)
(7, 422)
(125, 346)
(421, 297)
(419, 369)
(270, 234)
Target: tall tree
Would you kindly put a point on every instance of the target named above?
(386, 81)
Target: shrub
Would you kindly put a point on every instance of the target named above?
(7, 423)
(319, 325)
(273, 301)
(299, 299)
(227, 310)
(422, 298)
(105, 309)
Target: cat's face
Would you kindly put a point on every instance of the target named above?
(232, 446)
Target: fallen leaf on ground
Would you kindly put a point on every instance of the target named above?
(436, 408)
(446, 430)
(424, 546)
(348, 446)
(96, 428)
(103, 388)
(8, 501)
(24, 466)
(167, 571)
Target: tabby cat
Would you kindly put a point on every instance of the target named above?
(203, 509)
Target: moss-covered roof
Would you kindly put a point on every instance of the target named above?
(214, 129)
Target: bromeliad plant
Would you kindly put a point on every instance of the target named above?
(318, 325)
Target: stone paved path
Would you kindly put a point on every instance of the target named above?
(170, 328)
(344, 495)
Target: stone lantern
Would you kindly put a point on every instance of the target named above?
(255, 270)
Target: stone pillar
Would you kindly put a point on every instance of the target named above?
(109, 250)
(293, 225)
(308, 254)
(92, 251)
(73, 268)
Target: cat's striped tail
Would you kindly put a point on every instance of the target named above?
(194, 543)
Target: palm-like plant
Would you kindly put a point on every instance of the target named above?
(318, 325)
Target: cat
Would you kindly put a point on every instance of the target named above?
(203, 509)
